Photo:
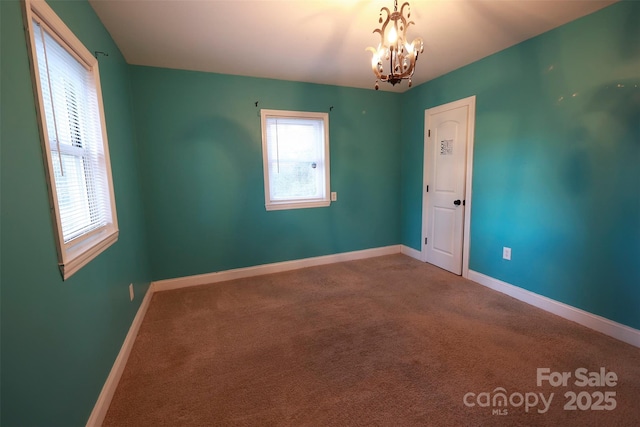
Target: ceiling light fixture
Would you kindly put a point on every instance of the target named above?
(394, 48)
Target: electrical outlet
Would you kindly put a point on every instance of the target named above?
(506, 253)
(334, 196)
(131, 291)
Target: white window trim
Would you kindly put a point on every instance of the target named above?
(271, 205)
(78, 252)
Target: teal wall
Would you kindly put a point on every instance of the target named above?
(203, 180)
(60, 339)
(556, 172)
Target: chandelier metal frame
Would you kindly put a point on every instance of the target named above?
(394, 48)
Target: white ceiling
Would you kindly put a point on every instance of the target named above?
(321, 41)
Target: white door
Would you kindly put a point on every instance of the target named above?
(446, 149)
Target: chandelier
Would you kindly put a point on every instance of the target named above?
(394, 50)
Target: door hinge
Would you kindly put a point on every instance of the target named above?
(425, 240)
(427, 188)
(429, 133)
(464, 203)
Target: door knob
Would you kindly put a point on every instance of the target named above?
(457, 202)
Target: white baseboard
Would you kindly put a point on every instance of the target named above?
(608, 327)
(278, 267)
(104, 400)
(413, 253)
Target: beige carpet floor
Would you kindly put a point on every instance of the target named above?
(386, 341)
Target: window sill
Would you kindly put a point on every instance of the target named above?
(279, 206)
(79, 255)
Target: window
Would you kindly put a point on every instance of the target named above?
(295, 150)
(74, 139)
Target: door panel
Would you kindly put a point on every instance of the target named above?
(445, 171)
(443, 241)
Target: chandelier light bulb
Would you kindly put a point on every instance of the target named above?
(393, 36)
(375, 60)
(409, 48)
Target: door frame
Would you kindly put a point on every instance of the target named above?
(469, 102)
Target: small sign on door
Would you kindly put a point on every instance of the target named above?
(446, 147)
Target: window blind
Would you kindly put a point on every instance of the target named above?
(295, 150)
(73, 126)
